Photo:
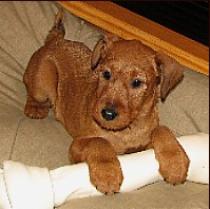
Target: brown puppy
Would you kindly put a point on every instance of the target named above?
(106, 100)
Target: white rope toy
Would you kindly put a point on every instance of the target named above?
(24, 187)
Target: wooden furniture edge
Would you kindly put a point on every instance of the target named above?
(128, 25)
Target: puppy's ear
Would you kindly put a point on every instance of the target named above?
(97, 53)
(101, 48)
(170, 73)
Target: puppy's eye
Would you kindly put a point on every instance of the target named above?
(136, 83)
(107, 75)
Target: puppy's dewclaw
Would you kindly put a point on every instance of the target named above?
(106, 99)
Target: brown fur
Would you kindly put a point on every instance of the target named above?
(59, 75)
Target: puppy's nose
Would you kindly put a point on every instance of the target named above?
(109, 113)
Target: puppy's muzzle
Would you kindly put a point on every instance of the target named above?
(109, 113)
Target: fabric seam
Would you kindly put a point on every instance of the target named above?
(15, 138)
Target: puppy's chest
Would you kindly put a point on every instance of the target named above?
(135, 138)
(132, 141)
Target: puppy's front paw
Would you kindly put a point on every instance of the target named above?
(173, 166)
(106, 175)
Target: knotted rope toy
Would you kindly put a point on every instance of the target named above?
(24, 187)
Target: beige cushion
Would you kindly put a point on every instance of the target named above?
(24, 26)
(186, 110)
(157, 196)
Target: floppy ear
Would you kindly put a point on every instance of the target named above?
(170, 71)
(97, 53)
(101, 48)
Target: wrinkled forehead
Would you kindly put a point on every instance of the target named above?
(131, 49)
(130, 54)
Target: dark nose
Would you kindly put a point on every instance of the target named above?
(109, 113)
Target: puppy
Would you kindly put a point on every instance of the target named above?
(107, 101)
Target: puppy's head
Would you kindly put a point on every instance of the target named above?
(131, 78)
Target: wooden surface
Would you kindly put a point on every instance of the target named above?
(129, 25)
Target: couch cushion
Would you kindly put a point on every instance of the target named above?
(42, 143)
(10, 119)
(186, 110)
(156, 196)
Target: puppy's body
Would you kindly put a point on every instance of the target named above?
(109, 109)
(73, 95)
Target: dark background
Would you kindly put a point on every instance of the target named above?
(190, 18)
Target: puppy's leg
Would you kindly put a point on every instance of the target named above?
(36, 110)
(104, 166)
(40, 80)
(172, 158)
